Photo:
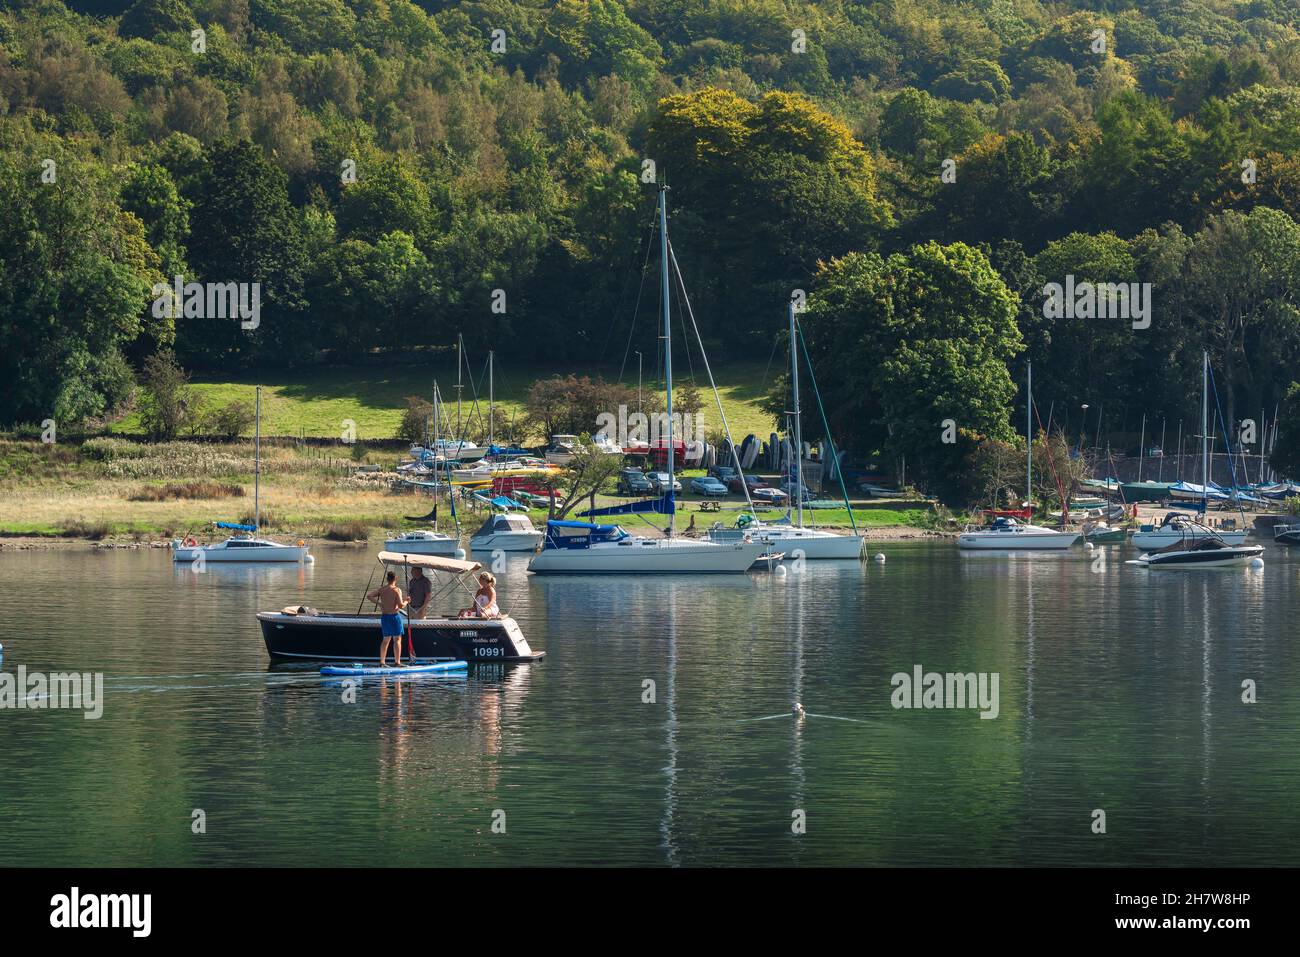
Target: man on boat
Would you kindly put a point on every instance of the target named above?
(391, 602)
(419, 589)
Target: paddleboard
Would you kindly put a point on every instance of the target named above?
(420, 668)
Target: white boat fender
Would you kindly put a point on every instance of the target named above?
(460, 554)
(1257, 563)
(1088, 546)
(879, 558)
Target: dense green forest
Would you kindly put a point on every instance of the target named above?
(922, 168)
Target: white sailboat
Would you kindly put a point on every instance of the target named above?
(1180, 529)
(244, 545)
(794, 540)
(429, 541)
(1007, 533)
(586, 548)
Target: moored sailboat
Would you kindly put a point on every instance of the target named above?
(588, 548)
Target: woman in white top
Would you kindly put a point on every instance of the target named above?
(485, 599)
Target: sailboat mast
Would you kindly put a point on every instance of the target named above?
(798, 428)
(1029, 435)
(491, 402)
(257, 460)
(435, 456)
(668, 343)
(460, 349)
(1205, 435)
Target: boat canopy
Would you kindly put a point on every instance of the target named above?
(567, 534)
(436, 562)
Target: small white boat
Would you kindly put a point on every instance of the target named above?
(1007, 533)
(1179, 527)
(796, 542)
(562, 447)
(240, 548)
(423, 542)
(560, 451)
(510, 532)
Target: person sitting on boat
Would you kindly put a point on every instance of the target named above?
(390, 601)
(419, 588)
(485, 599)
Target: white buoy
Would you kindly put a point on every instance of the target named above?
(878, 558)
(1089, 546)
(460, 554)
(798, 710)
(780, 571)
(1257, 563)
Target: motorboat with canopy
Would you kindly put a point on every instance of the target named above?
(300, 633)
(1200, 547)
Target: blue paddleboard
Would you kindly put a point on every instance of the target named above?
(393, 669)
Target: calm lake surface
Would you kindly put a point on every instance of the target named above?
(1119, 689)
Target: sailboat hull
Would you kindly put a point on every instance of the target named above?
(797, 542)
(634, 556)
(1017, 541)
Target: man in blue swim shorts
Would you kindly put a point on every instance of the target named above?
(389, 598)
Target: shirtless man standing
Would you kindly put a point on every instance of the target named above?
(390, 600)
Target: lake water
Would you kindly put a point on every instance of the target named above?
(1119, 689)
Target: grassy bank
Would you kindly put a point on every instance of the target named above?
(315, 402)
(113, 488)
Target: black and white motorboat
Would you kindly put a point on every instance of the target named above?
(1202, 547)
(305, 634)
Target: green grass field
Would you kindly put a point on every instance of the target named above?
(316, 402)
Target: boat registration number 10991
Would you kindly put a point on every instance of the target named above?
(489, 651)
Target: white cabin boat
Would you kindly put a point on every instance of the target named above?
(1007, 533)
(510, 532)
(423, 542)
(240, 548)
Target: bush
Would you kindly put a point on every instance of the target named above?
(415, 420)
(95, 531)
(231, 421)
(348, 532)
(187, 490)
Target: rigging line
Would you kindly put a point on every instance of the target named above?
(622, 297)
(1051, 461)
(735, 455)
(830, 443)
(679, 292)
(636, 309)
(1227, 444)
